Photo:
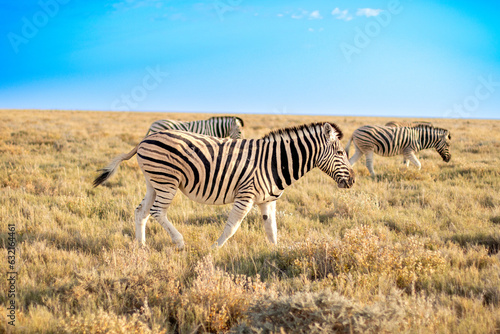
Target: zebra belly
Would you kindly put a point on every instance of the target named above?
(229, 198)
(382, 152)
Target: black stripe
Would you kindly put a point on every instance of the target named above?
(226, 165)
(315, 145)
(207, 164)
(296, 167)
(161, 174)
(238, 161)
(284, 163)
(309, 155)
(264, 160)
(217, 170)
(274, 167)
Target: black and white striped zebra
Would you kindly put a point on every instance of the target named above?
(412, 124)
(390, 141)
(210, 170)
(218, 126)
(409, 124)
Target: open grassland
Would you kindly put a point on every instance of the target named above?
(407, 252)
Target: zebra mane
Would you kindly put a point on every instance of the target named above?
(278, 133)
(228, 117)
(440, 130)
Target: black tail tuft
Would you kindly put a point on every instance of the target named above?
(106, 173)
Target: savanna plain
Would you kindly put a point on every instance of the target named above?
(409, 251)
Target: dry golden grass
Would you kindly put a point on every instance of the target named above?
(410, 251)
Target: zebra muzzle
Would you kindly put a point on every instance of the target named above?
(346, 183)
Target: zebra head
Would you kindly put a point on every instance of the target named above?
(333, 159)
(443, 146)
(235, 128)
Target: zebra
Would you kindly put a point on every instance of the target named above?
(407, 124)
(390, 141)
(211, 170)
(218, 126)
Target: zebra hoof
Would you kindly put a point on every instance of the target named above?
(180, 245)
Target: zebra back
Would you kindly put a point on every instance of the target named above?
(412, 124)
(218, 126)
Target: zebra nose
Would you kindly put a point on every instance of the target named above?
(346, 183)
(352, 178)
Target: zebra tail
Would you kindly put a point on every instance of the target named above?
(110, 170)
(347, 147)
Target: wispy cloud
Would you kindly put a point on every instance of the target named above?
(300, 15)
(313, 30)
(368, 12)
(315, 15)
(341, 14)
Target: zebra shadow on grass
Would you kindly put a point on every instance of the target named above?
(71, 241)
(489, 241)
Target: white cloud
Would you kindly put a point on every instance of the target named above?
(342, 14)
(368, 12)
(299, 15)
(315, 15)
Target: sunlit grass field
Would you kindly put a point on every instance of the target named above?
(406, 252)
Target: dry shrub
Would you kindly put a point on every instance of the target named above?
(125, 283)
(362, 254)
(220, 299)
(105, 322)
(323, 312)
(354, 204)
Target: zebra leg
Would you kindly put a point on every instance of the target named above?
(369, 163)
(239, 211)
(162, 201)
(357, 154)
(406, 160)
(268, 211)
(142, 213)
(413, 158)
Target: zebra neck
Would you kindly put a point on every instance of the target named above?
(292, 156)
(427, 138)
(218, 128)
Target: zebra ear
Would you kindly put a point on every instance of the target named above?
(241, 121)
(329, 131)
(332, 131)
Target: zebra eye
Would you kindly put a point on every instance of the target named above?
(340, 152)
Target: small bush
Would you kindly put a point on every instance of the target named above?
(363, 252)
(323, 312)
(218, 298)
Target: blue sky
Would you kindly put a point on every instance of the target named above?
(378, 58)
